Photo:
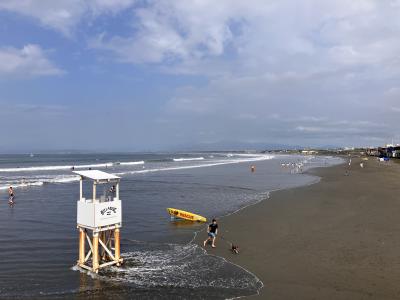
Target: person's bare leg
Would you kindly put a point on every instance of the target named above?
(205, 242)
(213, 242)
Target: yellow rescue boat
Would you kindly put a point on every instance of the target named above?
(177, 213)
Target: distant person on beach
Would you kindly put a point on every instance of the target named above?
(10, 196)
(212, 232)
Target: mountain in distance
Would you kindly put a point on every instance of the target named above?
(233, 146)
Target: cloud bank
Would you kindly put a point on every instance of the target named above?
(310, 72)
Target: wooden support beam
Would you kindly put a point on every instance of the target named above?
(117, 246)
(89, 242)
(108, 241)
(86, 267)
(88, 255)
(95, 256)
(107, 250)
(101, 250)
(108, 264)
(82, 236)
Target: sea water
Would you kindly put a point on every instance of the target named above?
(39, 239)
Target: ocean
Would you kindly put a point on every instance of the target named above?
(39, 238)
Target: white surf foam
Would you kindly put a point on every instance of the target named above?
(67, 167)
(132, 163)
(38, 182)
(187, 159)
(180, 266)
(54, 168)
(219, 163)
(20, 185)
(20, 182)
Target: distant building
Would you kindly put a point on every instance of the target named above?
(390, 152)
(309, 152)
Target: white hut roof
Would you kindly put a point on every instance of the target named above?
(96, 175)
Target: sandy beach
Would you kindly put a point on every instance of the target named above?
(336, 239)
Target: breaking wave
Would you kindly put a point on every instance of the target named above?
(218, 163)
(156, 265)
(68, 167)
(54, 168)
(22, 181)
(132, 163)
(187, 159)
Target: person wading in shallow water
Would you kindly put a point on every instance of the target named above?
(212, 232)
(10, 196)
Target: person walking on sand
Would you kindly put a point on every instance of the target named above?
(212, 232)
(10, 196)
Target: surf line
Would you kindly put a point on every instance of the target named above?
(198, 166)
(76, 178)
(67, 167)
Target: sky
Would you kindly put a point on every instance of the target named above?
(147, 75)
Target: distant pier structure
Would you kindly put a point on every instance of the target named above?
(99, 219)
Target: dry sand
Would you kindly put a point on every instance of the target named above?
(337, 239)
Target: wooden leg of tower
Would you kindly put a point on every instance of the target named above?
(95, 256)
(117, 246)
(103, 239)
(81, 246)
(108, 241)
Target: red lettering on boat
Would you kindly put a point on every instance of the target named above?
(186, 215)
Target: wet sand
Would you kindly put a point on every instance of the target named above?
(337, 239)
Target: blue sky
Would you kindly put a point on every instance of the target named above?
(158, 75)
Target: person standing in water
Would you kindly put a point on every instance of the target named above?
(212, 232)
(10, 196)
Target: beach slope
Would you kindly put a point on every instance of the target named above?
(337, 239)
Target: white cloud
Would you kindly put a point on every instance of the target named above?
(170, 31)
(28, 61)
(259, 33)
(64, 15)
(190, 36)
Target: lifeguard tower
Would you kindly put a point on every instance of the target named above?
(99, 222)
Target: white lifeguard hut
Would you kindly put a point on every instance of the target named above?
(99, 222)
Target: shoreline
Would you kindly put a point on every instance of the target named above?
(197, 240)
(304, 242)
